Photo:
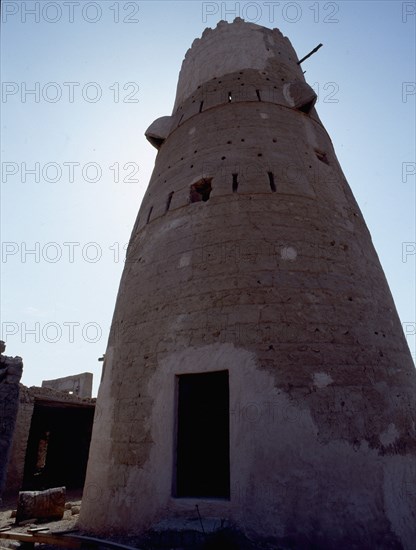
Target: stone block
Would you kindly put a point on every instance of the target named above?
(49, 504)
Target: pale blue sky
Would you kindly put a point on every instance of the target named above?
(365, 79)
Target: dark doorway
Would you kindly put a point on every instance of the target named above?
(203, 449)
(58, 446)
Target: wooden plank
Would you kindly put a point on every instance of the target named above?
(68, 541)
(42, 538)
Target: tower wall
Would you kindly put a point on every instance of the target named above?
(273, 278)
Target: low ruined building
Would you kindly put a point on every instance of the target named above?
(51, 440)
(77, 384)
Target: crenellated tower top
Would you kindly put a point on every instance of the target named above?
(232, 47)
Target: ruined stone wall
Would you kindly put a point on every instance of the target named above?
(274, 278)
(16, 465)
(11, 369)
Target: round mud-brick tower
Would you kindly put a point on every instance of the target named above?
(256, 365)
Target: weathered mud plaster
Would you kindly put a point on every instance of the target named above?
(270, 274)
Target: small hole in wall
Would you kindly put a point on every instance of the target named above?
(223, 158)
(230, 97)
(169, 201)
(200, 106)
(149, 214)
(271, 181)
(259, 154)
(258, 95)
(201, 190)
(229, 142)
(235, 183)
(320, 155)
(242, 139)
(274, 140)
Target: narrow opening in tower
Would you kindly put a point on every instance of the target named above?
(200, 106)
(307, 107)
(149, 214)
(169, 201)
(271, 181)
(258, 95)
(230, 97)
(202, 445)
(235, 183)
(322, 156)
(201, 190)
